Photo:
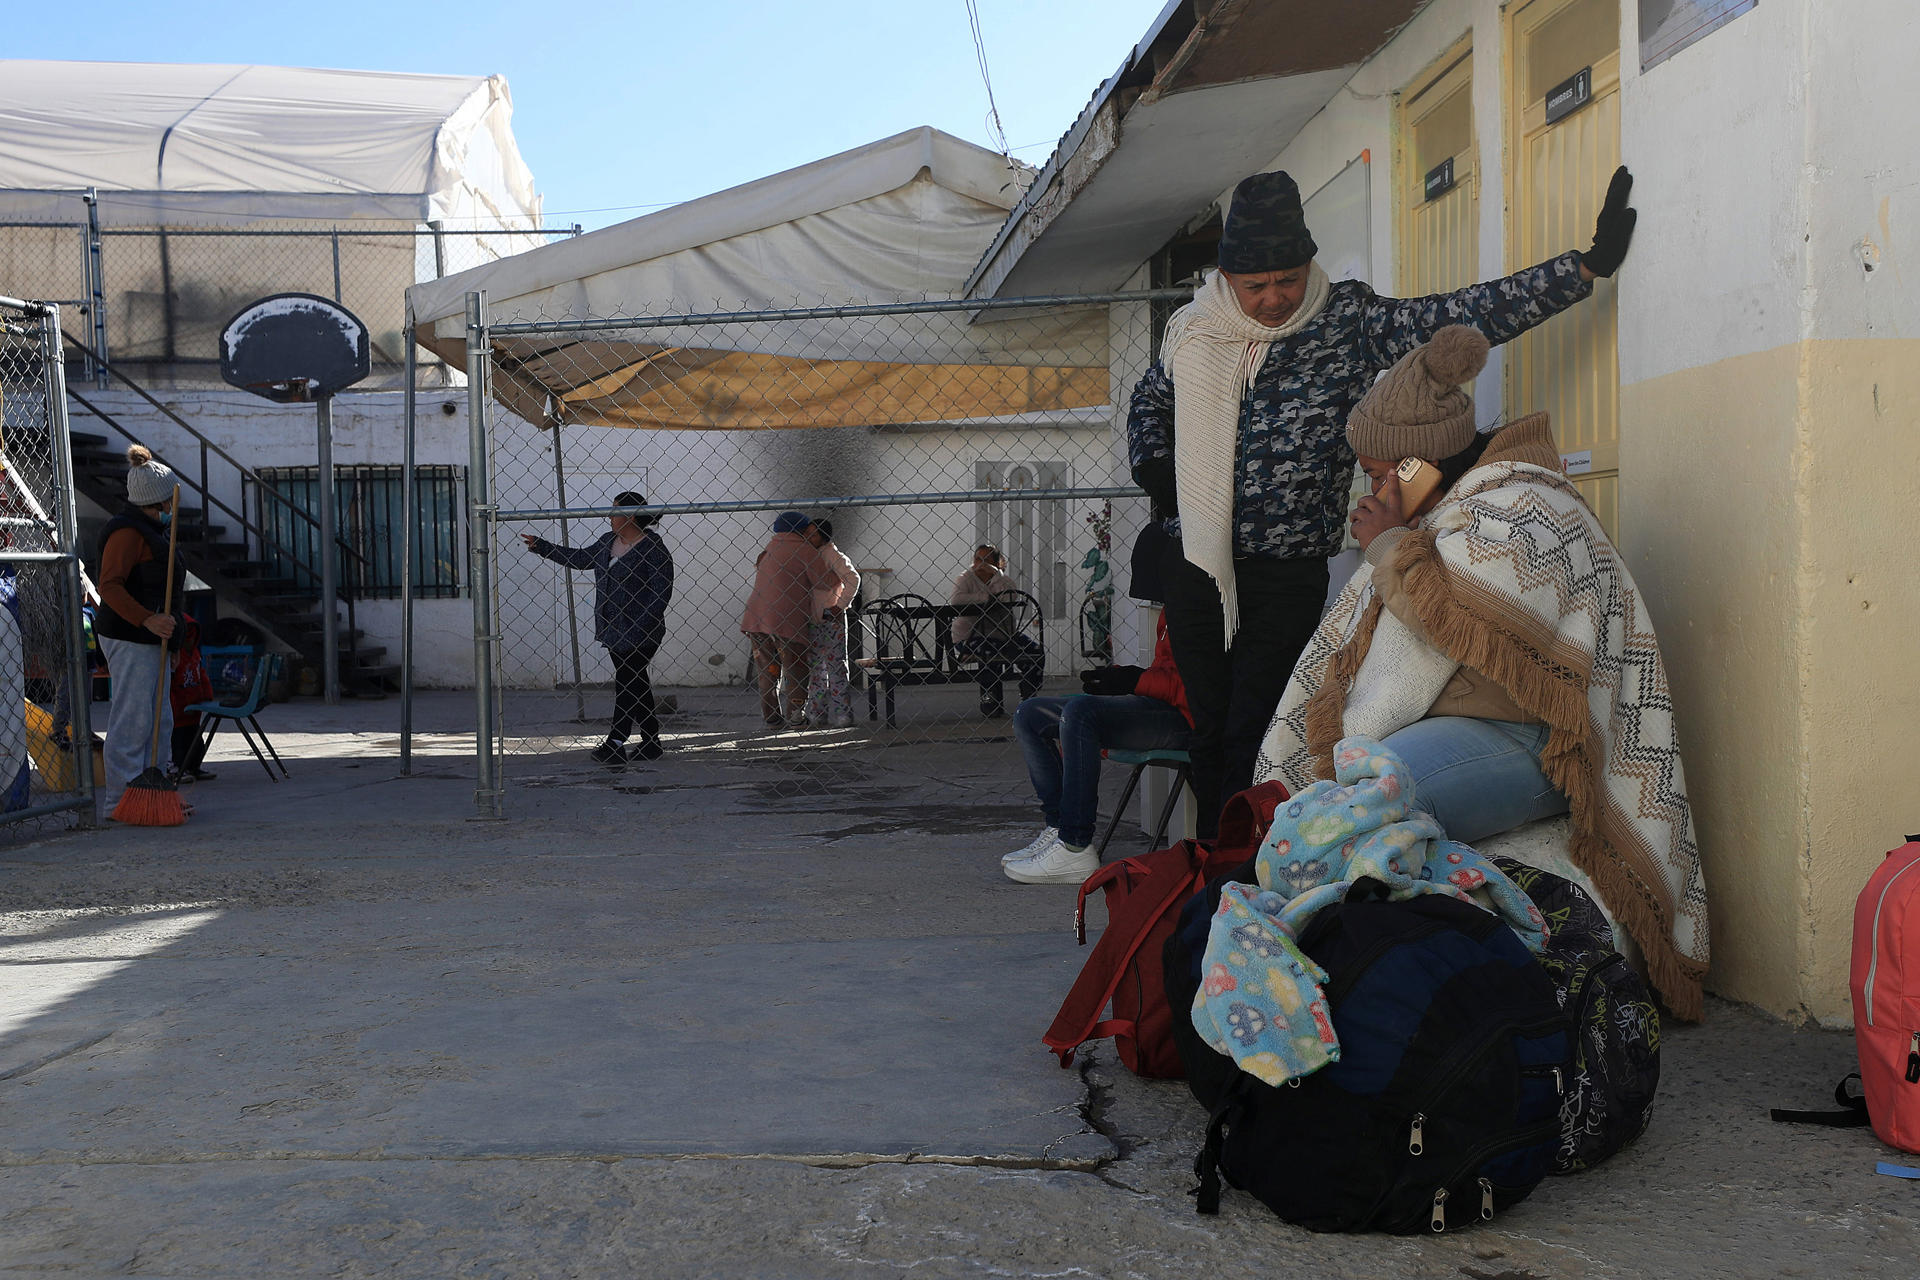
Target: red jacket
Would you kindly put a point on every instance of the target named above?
(1162, 679)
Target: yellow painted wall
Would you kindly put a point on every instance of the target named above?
(1770, 505)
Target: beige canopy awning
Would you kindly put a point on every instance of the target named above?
(904, 218)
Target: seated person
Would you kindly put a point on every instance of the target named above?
(1129, 709)
(1495, 640)
(991, 636)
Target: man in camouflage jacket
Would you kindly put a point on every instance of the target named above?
(1291, 467)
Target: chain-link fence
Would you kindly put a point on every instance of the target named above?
(153, 299)
(921, 431)
(48, 768)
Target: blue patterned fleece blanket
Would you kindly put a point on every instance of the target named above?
(1260, 1000)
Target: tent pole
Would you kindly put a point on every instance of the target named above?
(573, 620)
(407, 518)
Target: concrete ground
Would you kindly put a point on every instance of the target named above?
(763, 1008)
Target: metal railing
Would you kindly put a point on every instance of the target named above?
(255, 533)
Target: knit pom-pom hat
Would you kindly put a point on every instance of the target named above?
(149, 483)
(1418, 409)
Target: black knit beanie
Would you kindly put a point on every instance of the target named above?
(1265, 229)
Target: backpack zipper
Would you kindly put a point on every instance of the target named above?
(1529, 1137)
(1873, 969)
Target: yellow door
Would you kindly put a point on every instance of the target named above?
(1570, 365)
(1438, 233)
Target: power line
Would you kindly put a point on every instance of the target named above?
(995, 129)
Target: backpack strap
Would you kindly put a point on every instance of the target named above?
(1853, 1113)
(1206, 1165)
(1079, 1018)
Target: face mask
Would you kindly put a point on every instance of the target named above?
(165, 518)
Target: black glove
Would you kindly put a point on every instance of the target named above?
(1155, 475)
(1110, 681)
(1613, 229)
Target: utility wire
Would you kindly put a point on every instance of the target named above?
(995, 129)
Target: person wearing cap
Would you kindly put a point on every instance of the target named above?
(633, 585)
(1494, 639)
(1063, 741)
(787, 572)
(1237, 434)
(133, 633)
(829, 700)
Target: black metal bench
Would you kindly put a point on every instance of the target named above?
(913, 644)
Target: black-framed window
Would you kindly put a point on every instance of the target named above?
(367, 506)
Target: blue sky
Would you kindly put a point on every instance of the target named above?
(623, 107)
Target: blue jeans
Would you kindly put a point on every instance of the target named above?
(1062, 739)
(1478, 777)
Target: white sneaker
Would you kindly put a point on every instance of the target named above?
(1055, 864)
(1046, 837)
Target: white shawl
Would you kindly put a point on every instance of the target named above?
(1212, 350)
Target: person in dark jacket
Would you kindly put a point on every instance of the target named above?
(633, 584)
(1238, 435)
(132, 630)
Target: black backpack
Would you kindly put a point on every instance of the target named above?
(1445, 1104)
(1616, 1060)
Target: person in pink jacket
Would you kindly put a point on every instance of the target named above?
(785, 577)
(829, 704)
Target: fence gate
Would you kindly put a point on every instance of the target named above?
(47, 768)
(920, 430)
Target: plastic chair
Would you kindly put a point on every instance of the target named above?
(1182, 767)
(241, 708)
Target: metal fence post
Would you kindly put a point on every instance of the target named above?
(480, 549)
(96, 291)
(573, 619)
(80, 694)
(407, 553)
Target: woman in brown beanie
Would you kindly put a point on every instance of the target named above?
(1494, 640)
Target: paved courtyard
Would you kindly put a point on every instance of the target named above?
(765, 1007)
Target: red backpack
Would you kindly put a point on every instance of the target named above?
(1144, 896)
(1886, 996)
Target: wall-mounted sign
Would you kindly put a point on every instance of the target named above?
(1571, 94)
(1440, 179)
(1668, 26)
(1577, 464)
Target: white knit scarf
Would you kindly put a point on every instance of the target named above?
(1213, 349)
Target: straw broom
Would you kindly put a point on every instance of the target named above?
(150, 800)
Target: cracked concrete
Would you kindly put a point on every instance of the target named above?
(691, 1020)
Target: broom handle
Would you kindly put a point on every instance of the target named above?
(160, 685)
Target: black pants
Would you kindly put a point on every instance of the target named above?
(1001, 659)
(633, 695)
(1232, 693)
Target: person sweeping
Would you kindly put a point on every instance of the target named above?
(139, 578)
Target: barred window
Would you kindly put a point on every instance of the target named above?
(367, 507)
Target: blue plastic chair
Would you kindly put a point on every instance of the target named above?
(241, 708)
(1141, 761)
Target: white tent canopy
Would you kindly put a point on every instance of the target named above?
(212, 145)
(903, 218)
